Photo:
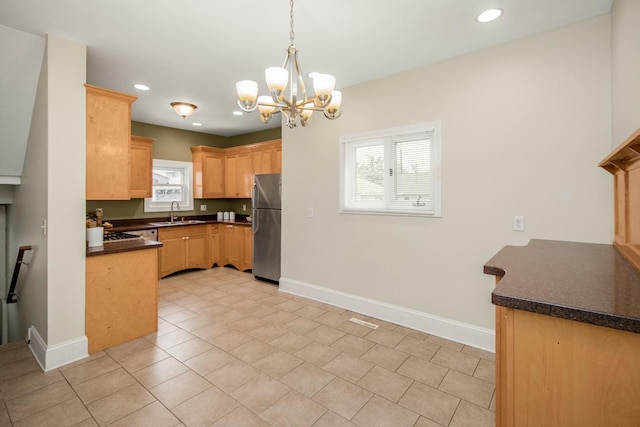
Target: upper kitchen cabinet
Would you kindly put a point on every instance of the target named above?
(208, 172)
(140, 167)
(237, 172)
(108, 144)
(266, 157)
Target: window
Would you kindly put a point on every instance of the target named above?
(392, 171)
(171, 183)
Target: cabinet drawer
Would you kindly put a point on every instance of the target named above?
(181, 231)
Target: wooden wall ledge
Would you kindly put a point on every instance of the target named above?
(625, 154)
(624, 164)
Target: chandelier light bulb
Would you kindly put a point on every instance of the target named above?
(266, 107)
(277, 78)
(247, 91)
(334, 104)
(323, 85)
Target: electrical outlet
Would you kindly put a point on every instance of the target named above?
(518, 223)
(310, 213)
(244, 208)
(203, 208)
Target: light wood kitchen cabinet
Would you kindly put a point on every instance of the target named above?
(221, 173)
(214, 245)
(247, 249)
(237, 173)
(278, 159)
(266, 157)
(140, 167)
(235, 250)
(121, 297)
(208, 172)
(559, 372)
(183, 247)
(108, 142)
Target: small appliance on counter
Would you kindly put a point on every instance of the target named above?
(266, 224)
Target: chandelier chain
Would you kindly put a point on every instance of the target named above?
(291, 35)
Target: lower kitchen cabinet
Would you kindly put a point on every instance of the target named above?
(183, 247)
(235, 249)
(247, 250)
(214, 245)
(559, 372)
(121, 297)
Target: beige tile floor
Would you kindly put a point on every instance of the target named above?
(233, 351)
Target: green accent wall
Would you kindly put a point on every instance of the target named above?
(175, 144)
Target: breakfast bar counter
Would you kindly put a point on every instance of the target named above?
(590, 283)
(567, 335)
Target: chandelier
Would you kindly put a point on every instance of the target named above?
(288, 94)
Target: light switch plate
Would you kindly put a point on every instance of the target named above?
(518, 223)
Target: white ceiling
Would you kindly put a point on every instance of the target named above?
(195, 50)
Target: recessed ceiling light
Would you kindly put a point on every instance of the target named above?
(196, 124)
(141, 87)
(238, 113)
(489, 15)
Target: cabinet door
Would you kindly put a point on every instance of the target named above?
(233, 242)
(213, 177)
(262, 161)
(108, 141)
(230, 171)
(277, 160)
(172, 255)
(196, 252)
(140, 167)
(214, 245)
(247, 248)
(237, 174)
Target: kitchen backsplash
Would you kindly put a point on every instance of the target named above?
(133, 209)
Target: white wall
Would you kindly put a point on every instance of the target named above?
(625, 68)
(524, 125)
(25, 216)
(53, 189)
(66, 195)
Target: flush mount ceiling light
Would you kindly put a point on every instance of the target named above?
(288, 94)
(140, 86)
(489, 15)
(183, 109)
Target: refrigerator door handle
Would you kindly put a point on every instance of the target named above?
(254, 220)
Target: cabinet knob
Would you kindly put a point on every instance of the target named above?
(187, 238)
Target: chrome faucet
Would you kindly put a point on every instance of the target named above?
(172, 214)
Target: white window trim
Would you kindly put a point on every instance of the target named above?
(435, 161)
(187, 203)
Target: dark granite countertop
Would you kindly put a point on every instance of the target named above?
(150, 223)
(124, 246)
(586, 282)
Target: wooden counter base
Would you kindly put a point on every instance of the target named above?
(121, 297)
(558, 372)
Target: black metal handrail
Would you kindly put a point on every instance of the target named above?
(12, 296)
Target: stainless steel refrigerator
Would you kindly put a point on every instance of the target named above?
(266, 212)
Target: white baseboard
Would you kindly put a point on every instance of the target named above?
(53, 357)
(445, 328)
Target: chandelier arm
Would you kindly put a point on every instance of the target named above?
(334, 116)
(248, 109)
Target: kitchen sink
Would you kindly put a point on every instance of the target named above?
(191, 221)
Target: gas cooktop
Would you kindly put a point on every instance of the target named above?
(118, 236)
